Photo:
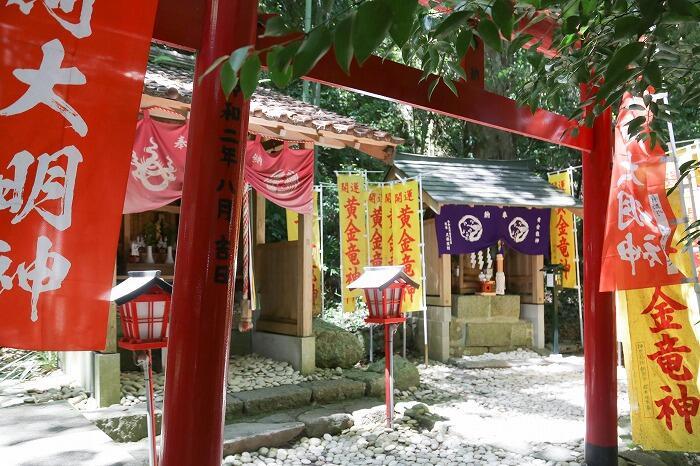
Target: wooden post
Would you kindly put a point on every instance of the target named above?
(259, 219)
(305, 294)
(446, 280)
(537, 290)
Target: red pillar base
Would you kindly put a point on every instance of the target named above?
(600, 456)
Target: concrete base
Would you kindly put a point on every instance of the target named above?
(80, 366)
(300, 352)
(535, 314)
(107, 384)
(438, 332)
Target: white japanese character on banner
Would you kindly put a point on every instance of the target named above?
(181, 143)
(14, 188)
(41, 83)
(629, 252)
(45, 273)
(81, 29)
(53, 182)
(629, 210)
(5, 280)
(630, 171)
(651, 251)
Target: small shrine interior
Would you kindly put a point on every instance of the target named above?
(148, 238)
(466, 315)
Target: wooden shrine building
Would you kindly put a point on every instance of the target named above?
(460, 321)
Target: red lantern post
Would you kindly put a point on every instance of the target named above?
(144, 312)
(384, 290)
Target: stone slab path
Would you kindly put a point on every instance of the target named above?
(54, 434)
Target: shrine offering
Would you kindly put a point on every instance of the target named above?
(663, 357)
(406, 227)
(352, 192)
(72, 75)
(562, 234)
(638, 251)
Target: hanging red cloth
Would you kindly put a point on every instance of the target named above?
(286, 178)
(157, 165)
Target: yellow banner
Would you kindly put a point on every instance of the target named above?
(292, 225)
(353, 234)
(387, 230)
(562, 239)
(659, 332)
(376, 220)
(316, 265)
(406, 239)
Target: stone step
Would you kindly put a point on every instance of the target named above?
(128, 424)
(122, 423)
(242, 437)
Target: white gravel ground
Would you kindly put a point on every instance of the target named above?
(529, 414)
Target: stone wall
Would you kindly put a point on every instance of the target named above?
(481, 324)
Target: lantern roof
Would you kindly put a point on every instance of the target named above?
(382, 277)
(138, 283)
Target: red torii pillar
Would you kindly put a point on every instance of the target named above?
(205, 269)
(199, 335)
(600, 348)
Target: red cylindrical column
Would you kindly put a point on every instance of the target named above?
(598, 314)
(388, 379)
(207, 244)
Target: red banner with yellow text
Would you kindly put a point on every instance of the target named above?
(638, 246)
(72, 76)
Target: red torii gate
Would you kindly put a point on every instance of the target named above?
(200, 322)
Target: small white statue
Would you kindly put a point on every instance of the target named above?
(500, 275)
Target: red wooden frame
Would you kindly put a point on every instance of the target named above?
(184, 23)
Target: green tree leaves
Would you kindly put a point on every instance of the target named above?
(314, 46)
(372, 24)
(502, 13)
(488, 31)
(342, 42)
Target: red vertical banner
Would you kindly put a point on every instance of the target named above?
(72, 75)
(638, 249)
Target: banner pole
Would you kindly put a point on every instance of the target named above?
(422, 256)
(320, 247)
(681, 191)
(577, 262)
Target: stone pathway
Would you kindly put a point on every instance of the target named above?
(528, 413)
(53, 434)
